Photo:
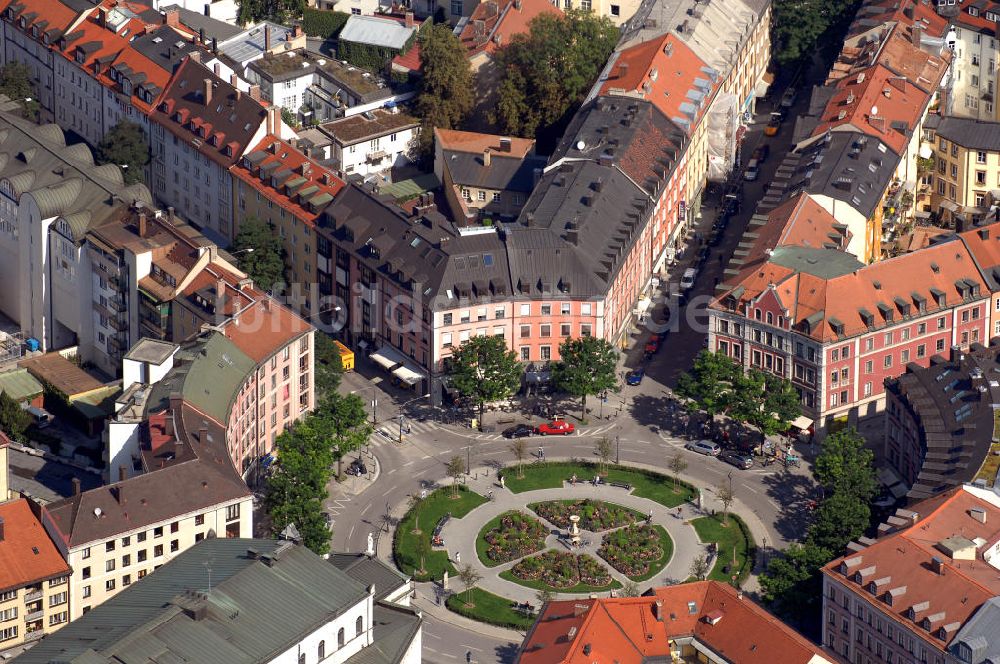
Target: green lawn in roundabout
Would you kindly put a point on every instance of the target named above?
(489, 608)
(561, 571)
(736, 534)
(637, 546)
(509, 536)
(407, 545)
(645, 483)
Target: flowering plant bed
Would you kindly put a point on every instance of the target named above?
(562, 571)
(595, 515)
(510, 536)
(638, 551)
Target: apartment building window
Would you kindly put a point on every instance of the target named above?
(58, 598)
(174, 546)
(981, 177)
(887, 361)
(585, 330)
(126, 560)
(109, 565)
(904, 356)
(109, 546)
(498, 313)
(141, 537)
(58, 581)
(922, 328)
(109, 585)
(980, 157)
(158, 532)
(86, 572)
(546, 330)
(140, 556)
(174, 527)
(525, 353)
(546, 309)
(233, 512)
(456, 7)
(525, 331)
(446, 339)
(585, 309)
(939, 346)
(199, 520)
(545, 352)
(868, 389)
(564, 330)
(8, 614)
(127, 580)
(941, 322)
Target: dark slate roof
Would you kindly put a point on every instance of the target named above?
(197, 21)
(233, 118)
(171, 615)
(952, 403)
(164, 46)
(588, 209)
(970, 133)
(421, 251)
(503, 173)
(846, 165)
(395, 627)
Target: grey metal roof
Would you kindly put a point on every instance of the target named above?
(370, 571)
(969, 133)
(822, 263)
(164, 46)
(503, 173)
(395, 627)
(62, 179)
(248, 45)
(376, 32)
(979, 635)
(264, 597)
(214, 28)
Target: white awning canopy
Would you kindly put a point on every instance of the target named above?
(408, 374)
(802, 422)
(388, 357)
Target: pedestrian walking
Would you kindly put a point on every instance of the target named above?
(468, 656)
(458, 557)
(490, 494)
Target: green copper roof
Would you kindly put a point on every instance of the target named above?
(822, 263)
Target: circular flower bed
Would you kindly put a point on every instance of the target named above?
(516, 535)
(595, 515)
(560, 570)
(632, 550)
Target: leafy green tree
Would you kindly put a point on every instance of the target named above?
(455, 469)
(125, 145)
(586, 366)
(845, 466)
(838, 520)
(289, 117)
(798, 26)
(604, 450)
(297, 486)
(546, 72)
(345, 421)
(725, 495)
(699, 567)
(277, 11)
(677, 465)
(483, 370)
(792, 584)
(260, 252)
(14, 420)
(469, 577)
(15, 83)
(764, 401)
(445, 96)
(328, 367)
(630, 589)
(710, 382)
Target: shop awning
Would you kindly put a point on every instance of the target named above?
(802, 422)
(388, 357)
(408, 374)
(642, 305)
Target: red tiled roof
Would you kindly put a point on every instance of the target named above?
(265, 328)
(54, 14)
(324, 184)
(409, 61)
(905, 558)
(476, 143)
(843, 297)
(631, 630)
(494, 22)
(899, 104)
(663, 70)
(27, 555)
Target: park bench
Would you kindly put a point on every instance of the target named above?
(436, 535)
(621, 485)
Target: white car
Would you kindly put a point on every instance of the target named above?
(753, 171)
(687, 281)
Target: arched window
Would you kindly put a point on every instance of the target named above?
(359, 624)
(770, 318)
(756, 314)
(302, 658)
(340, 637)
(321, 650)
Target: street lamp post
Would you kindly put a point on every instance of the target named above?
(405, 404)
(374, 401)
(618, 449)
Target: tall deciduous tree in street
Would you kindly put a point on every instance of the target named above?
(455, 469)
(586, 366)
(469, 577)
(677, 465)
(14, 420)
(765, 401)
(710, 382)
(328, 367)
(446, 89)
(15, 83)
(125, 145)
(260, 253)
(519, 448)
(483, 370)
(347, 422)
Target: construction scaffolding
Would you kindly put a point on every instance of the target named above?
(11, 347)
(723, 128)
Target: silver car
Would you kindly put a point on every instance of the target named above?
(706, 447)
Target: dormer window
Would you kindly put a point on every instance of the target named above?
(80, 55)
(34, 31)
(973, 11)
(9, 14)
(177, 117)
(21, 22)
(229, 150)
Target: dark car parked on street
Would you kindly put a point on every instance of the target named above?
(518, 431)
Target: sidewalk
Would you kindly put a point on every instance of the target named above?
(426, 600)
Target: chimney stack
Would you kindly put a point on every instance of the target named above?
(233, 80)
(937, 566)
(122, 475)
(208, 91)
(271, 128)
(267, 38)
(255, 92)
(195, 56)
(203, 435)
(102, 18)
(215, 45)
(505, 144)
(658, 610)
(978, 513)
(409, 19)
(217, 69)
(172, 17)
(170, 214)
(296, 31)
(201, 35)
(76, 486)
(486, 157)
(142, 224)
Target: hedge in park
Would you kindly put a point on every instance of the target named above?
(595, 515)
(560, 570)
(632, 550)
(516, 536)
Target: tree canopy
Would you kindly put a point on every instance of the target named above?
(328, 367)
(15, 82)
(483, 369)
(445, 96)
(266, 263)
(546, 72)
(125, 145)
(798, 25)
(14, 420)
(278, 11)
(844, 469)
(347, 422)
(716, 384)
(587, 365)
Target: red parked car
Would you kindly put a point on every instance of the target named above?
(555, 428)
(653, 345)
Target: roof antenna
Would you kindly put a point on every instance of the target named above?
(208, 567)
